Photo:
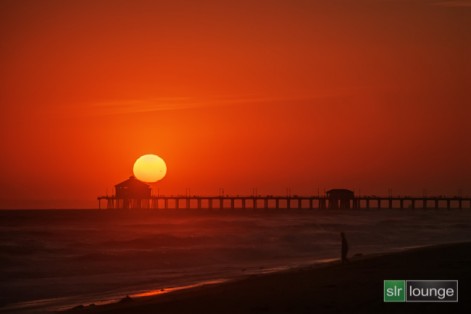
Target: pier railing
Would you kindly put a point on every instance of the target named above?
(285, 202)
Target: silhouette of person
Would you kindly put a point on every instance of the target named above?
(344, 251)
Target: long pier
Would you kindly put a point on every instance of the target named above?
(285, 202)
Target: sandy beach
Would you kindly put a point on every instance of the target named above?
(356, 287)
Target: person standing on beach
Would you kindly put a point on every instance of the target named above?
(344, 251)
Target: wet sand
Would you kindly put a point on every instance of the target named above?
(356, 287)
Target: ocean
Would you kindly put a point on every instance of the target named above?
(57, 259)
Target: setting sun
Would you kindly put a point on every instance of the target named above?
(150, 168)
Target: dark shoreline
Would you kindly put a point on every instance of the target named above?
(356, 287)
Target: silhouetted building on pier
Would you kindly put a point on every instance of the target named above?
(340, 198)
(131, 192)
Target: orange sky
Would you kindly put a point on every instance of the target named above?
(370, 95)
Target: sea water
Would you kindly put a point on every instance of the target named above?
(55, 259)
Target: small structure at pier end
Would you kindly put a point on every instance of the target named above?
(130, 194)
(340, 198)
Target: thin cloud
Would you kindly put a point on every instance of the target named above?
(162, 104)
(136, 106)
(130, 106)
(127, 106)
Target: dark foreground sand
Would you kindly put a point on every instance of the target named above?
(353, 288)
